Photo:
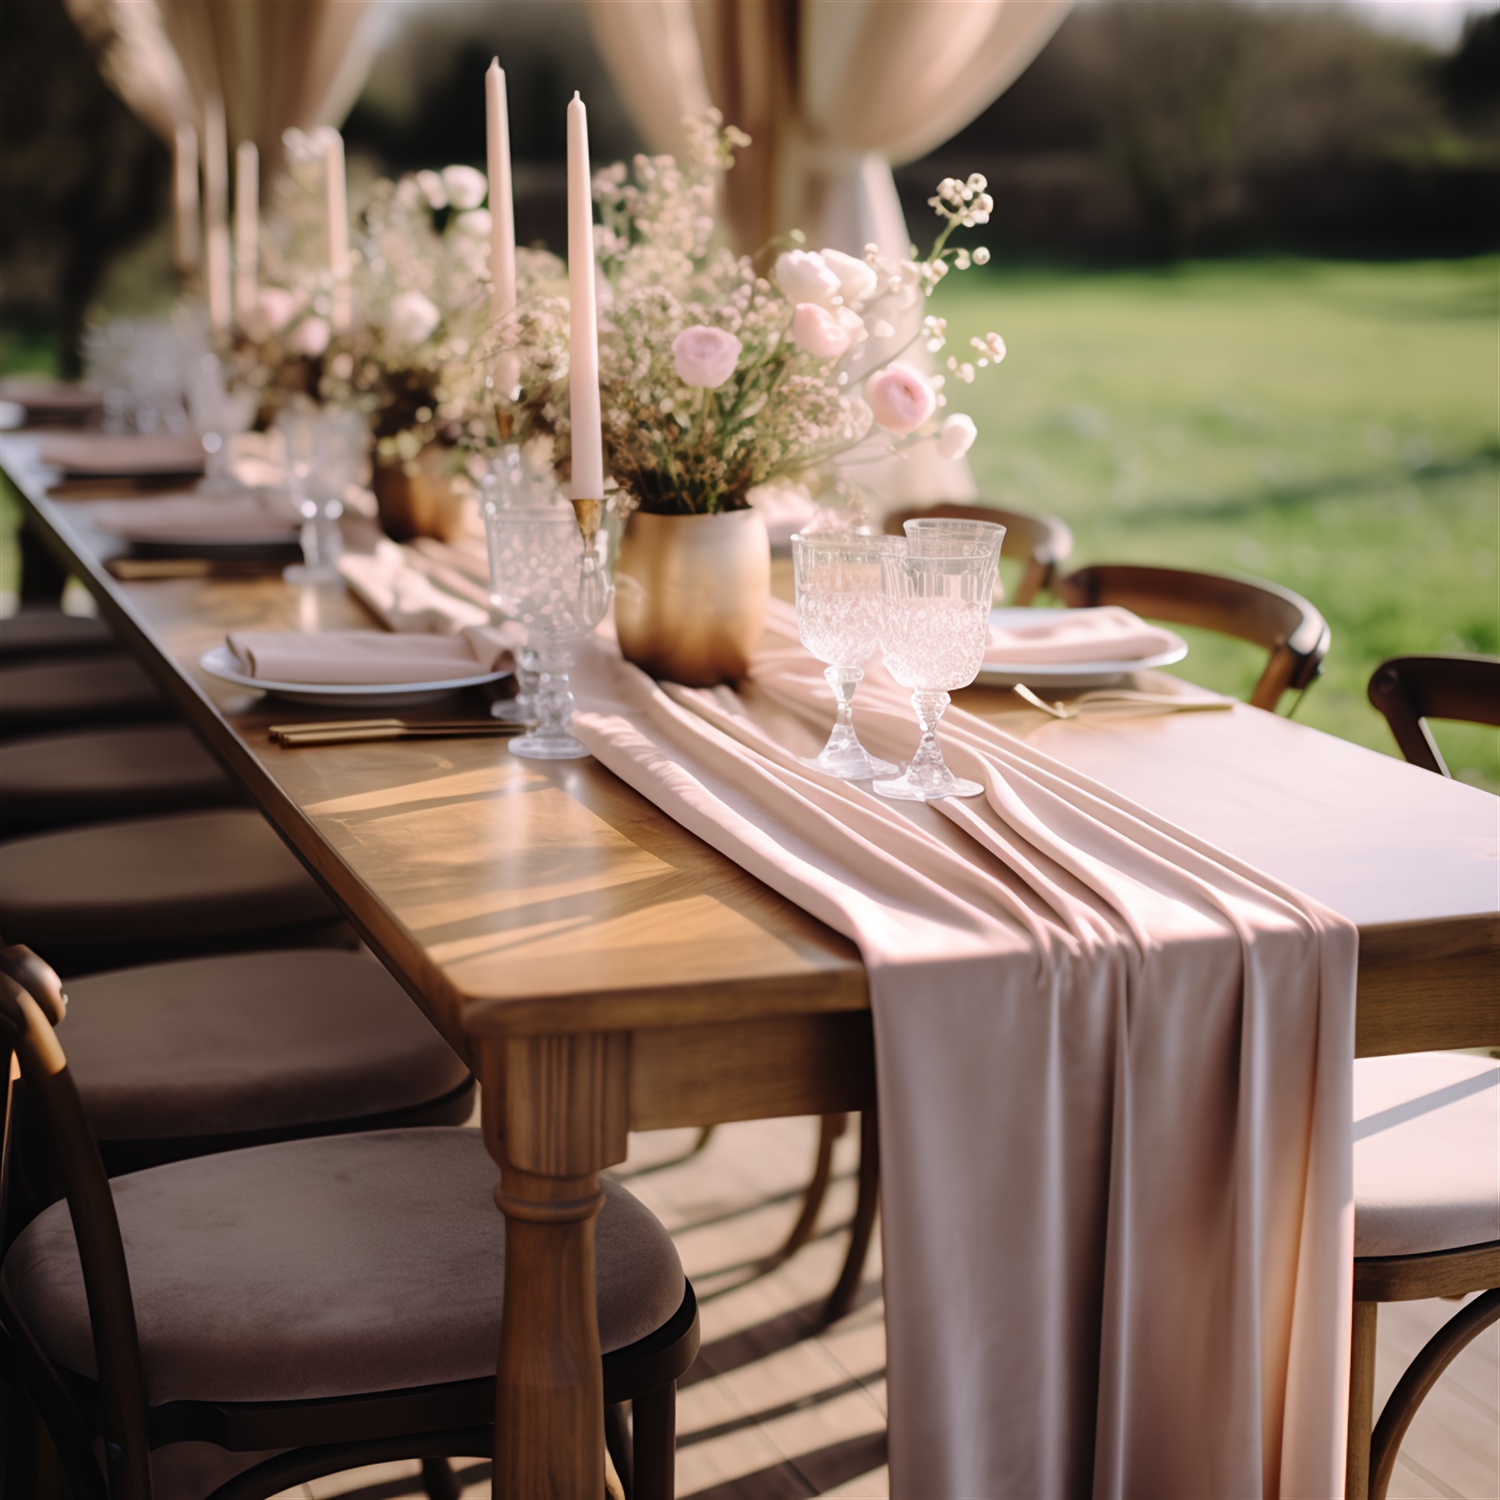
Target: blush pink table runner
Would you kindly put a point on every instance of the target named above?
(1114, 1070)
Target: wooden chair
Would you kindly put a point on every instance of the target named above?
(1405, 1247)
(1265, 614)
(144, 890)
(216, 1301)
(1041, 543)
(1409, 690)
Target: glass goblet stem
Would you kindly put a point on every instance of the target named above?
(927, 766)
(552, 738)
(522, 708)
(844, 681)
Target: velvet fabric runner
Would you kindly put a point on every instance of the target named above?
(1114, 1070)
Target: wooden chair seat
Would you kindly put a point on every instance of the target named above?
(90, 776)
(320, 1268)
(179, 1059)
(1426, 1153)
(37, 696)
(146, 889)
(45, 631)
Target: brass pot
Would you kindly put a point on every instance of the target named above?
(422, 497)
(690, 594)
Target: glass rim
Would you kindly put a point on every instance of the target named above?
(876, 541)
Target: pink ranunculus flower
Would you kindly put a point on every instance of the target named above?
(816, 331)
(311, 336)
(900, 398)
(705, 356)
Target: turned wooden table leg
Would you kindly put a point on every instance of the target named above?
(555, 1115)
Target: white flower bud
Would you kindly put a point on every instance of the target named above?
(466, 187)
(956, 436)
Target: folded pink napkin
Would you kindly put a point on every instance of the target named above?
(132, 454)
(403, 598)
(348, 657)
(252, 517)
(1060, 636)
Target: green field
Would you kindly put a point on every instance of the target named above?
(1332, 427)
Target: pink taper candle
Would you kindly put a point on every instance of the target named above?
(502, 218)
(246, 231)
(188, 238)
(583, 357)
(216, 211)
(342, 313)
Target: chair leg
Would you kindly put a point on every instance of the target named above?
(1361, 1400)
(617, 1445)
(439, 1480)
(832, 1127)
(1421, 1375)
(841, 1299)
(654, 1449)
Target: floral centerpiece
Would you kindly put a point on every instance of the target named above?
(722, 373)
(409, 357)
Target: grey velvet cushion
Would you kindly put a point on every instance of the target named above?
(1426, 1153)
(324, 1268)
(182, 875)
(89, 775)
(39, 695)
(46, 631)
(249, 1042)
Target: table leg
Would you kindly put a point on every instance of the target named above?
(556, 1113)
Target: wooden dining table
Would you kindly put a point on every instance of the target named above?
(604, 971)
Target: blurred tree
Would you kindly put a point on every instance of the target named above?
(1470, 77)
(80, 176)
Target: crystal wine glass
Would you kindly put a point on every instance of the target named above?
(935, 627)
(558, 583)
(220, 415)
(839, 606)
(510, 481)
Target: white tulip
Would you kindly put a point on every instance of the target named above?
(433, 190)
(857, 278)
(805, 277)
(413, 317)
(466, 186)
(476, 222)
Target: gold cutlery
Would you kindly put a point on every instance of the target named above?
(355, 731)
(1121, 698)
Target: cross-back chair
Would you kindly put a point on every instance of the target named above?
(215, 1300)
(1041, 543)
(1409, 690)
(1283, 623)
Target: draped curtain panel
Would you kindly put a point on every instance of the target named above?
(833, 93)
(275, 63)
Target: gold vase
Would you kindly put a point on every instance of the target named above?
(422, 497)
(690, 594)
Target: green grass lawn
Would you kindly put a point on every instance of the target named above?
(1332, 427)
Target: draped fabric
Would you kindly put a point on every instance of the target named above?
(1114, 1084)
(832, 93)
(275, 63)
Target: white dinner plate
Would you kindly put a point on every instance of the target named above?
(221, 662)
(1072, 674)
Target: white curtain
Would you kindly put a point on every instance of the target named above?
(275, 63)
(833, 93)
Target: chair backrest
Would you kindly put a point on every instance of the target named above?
(1290, 629)
(31, 1005)
(1041, 542)
(1409, 690)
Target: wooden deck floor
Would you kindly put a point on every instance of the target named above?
(775, 1410)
